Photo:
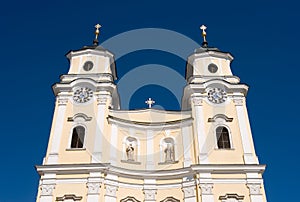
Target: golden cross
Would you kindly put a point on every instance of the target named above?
(97, 26)
(149, 102)
(203, 28)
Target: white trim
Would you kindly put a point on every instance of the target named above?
(113, 144)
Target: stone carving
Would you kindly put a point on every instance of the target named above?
(206, 189)
(169, 153)
(254, 189)
(111, 190)
(188, 191)
(149, 194)
(238, 101)
(93, 187)
(130, 152)
(101, 100)
(62, 101)
(47, 189)
(197, 101)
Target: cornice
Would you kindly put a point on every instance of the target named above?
(150, 125)
(152, 174)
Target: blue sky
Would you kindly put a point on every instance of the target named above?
(263, 36)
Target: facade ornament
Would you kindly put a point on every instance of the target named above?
(67, 197)
(206, 189)
(169, 153)
(62, 101)
(238, 101)
(97, 32)
(93, 187)
(101, 100)
(254, 189)
(149, 194)
(188, 191)
(231, 197)
(197, 101)
(111, 190)
(47, 189)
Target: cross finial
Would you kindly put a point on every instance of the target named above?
(149, 102)
(97, 32)
(203, 28)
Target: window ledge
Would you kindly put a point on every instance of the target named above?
(76, 149)
(167, 162)
(225, 149)
(131, 162)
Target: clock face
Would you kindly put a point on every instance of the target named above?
(82, 95)
(88, 66)
(216, 95)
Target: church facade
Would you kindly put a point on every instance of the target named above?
(99, 152)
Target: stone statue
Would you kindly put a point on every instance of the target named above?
(169, 153)
(130, 152)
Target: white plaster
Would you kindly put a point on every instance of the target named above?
(113, 144)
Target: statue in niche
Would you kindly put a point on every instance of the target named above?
(169, 153)
(130, 152)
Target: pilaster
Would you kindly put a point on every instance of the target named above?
(111, 188)
(255, 192)
(244, 125)
(149, 190)
(189, 191)
(102, 101)
(200, 129)
(47, 186)
(61, 103)
(93, 187)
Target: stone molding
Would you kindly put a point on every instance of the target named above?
(47, 189)
(197, 101)
(93, 187)
(149, 194)
(238, 101)
(62, 101)
(206, 189)
(254, 188)
(111, 190)
(69, 197)
(229, 197)
(188, 191)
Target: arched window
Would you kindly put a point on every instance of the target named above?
(223, 137)
(169, 150)
(78, 137)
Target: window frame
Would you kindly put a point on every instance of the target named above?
(229, 136)
(71, 137)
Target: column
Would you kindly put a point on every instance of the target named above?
(244, 125)
(111, 188)
(255, 193)
(101, 107)
(199, 129)
(57, 129)
(47, 185)
(93, 185)
(188, 189)
(149, 190)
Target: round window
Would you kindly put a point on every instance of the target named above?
(212, 68)
(88, 65)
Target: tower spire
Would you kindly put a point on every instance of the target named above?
(97, 32)
(204, 43)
